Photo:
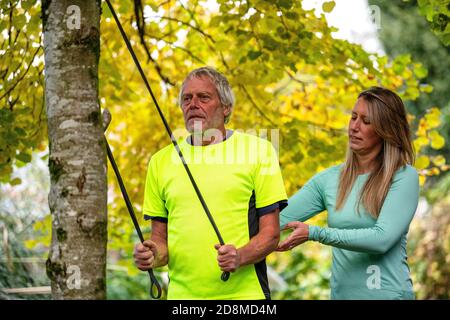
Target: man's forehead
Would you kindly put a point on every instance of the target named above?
(199, 83)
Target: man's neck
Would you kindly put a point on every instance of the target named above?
(208, 137)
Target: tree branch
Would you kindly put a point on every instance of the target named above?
(22, 76)
(20, 64)
(187, 24)
(244, 89)
(140, 22)
(191, 13)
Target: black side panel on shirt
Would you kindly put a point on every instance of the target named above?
(253, 227)
(160, 219)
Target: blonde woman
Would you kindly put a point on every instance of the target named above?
(371, 199)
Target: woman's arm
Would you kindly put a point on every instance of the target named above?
(396, 214)
(307, 202)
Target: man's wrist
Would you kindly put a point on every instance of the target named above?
(239, 261)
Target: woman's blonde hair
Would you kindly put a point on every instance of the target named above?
(388, 116)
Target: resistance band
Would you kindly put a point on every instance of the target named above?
(225, 274)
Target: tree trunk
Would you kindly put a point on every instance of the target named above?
(76, 264)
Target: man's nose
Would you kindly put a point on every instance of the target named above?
(193, 103)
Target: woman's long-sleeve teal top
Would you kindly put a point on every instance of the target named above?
(369, 255)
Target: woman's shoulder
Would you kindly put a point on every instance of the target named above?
(333, 170)
(407, 171)
(328, 173)
(406, 174)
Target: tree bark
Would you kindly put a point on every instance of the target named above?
(76, 264)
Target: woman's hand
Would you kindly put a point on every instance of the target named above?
(299, 235)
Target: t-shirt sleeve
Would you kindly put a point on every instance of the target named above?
(393, 221)
(280, 205)
(154, 202)
(306, 202)
(269, 187)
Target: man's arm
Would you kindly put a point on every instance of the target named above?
(256, 249)
(153, 253)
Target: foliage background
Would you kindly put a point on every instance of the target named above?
(288, 73)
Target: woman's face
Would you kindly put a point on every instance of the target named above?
(362, 136)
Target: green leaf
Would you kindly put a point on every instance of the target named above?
(15, 181)
(269, 42)
(3, 25)
(420, 71)
(293, 66)
(24, 157)
(27, 4)
(291, 15)
(404, 59)
(10, 138)
(298, 157)
(106, 13)
(20, 132)
(124, 7)
(6, 116)
(19, 21)
(34, 23)
(426, 88)
(328, 6)
(243, 60)
(286, 4)
(253, 55)
(426, 9)
(215, 21)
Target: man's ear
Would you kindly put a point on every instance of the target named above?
(226, 110)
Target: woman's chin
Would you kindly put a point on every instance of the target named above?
(355, 148)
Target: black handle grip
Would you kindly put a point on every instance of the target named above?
(225, 275)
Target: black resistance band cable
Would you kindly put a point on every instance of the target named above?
(225, 274)
(153, 281)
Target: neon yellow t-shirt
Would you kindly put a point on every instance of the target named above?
(239, 178)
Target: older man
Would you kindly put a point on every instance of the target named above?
(240, 180)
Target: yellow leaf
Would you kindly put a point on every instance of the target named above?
(438, 160)
(437, 141)
(421, 142)
(433, 118)
(422, 179)
(30, 244)
(422, 162)
(435, 171)
(423, 127)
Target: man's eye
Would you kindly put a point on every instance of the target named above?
(204, 98)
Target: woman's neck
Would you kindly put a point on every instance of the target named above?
(367, 162)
